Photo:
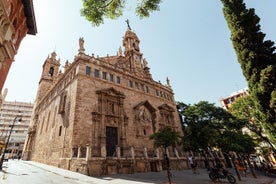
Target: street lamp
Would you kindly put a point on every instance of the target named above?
(17, 118)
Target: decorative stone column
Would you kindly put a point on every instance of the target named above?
(132, 152)
(145, 152)
(167, 152)
(88, 153)
(157, 151)
(79, 152)
(103, 150)
(118, 152)
(176, 153)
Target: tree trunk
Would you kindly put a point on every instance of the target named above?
(250, 167)
(167, 162)
(266, 139)
(206, 161)
(235, 167)
(271, 145)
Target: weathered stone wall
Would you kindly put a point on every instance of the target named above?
(87, 101)
(101, 166)
(97, 117)
(59, 134)
(54, 130)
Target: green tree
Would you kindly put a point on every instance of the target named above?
(181, 107)
(96, 10)
(165, 137)
(257, 59)
(236, 141)
(243, 108)
(203, 123)
(205, 126)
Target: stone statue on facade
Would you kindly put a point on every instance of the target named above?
(81, 45)
(168, 82)
(143, 116)
(145, 63)
(120, 52)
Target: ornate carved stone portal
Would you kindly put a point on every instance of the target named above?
(145, 119)
(110, 118)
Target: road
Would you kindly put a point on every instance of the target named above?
(28, 172)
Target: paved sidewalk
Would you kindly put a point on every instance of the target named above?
(186, 176)
(178, 177)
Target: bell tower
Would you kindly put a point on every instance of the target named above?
(132, 51)
(49, 75)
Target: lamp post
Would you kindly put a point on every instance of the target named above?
(17, 118)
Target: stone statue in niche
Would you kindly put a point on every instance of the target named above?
(143, 120)
(143, 115)
(165, 118)
(111, 108)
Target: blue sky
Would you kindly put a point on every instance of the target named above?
(187, 41)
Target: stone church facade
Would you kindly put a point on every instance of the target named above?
(96, 116)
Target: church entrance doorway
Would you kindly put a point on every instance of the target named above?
(111, 141)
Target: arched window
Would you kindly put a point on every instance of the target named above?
(51, 71)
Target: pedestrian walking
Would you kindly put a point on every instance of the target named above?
(193, 163)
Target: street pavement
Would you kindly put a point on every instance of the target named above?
(28, 172)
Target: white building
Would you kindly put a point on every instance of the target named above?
(227, 101)
(8, 113)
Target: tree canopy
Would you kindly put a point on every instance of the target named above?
(257, 59)
(204, 123)
(165, 137)
(243, 108)
(96, 10)
(236, 141)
